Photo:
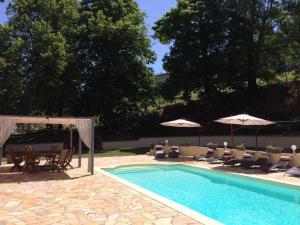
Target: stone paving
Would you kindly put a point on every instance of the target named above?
(75, 197)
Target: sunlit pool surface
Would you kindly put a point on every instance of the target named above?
(229, 199)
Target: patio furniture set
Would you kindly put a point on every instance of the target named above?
(160, 153)
(55, 159)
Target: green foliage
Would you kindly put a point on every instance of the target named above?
(115, 52)
(70, 57)
(91, 58)
(211, 145)
(273, 149)
(40, 56)
(118, 152)
(148, 125)
(241, 147)
(221, 45)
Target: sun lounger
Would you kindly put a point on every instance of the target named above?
(174, 152)
(247, 164)
(258, 159)
(217, 156)
(294, 171)
(282, 164)
(159, 152)
(238, 156)
(205, 154)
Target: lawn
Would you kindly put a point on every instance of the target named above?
(112, 152)
(118, 152)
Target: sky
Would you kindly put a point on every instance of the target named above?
(154, 10)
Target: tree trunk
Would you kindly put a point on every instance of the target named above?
(252, 60)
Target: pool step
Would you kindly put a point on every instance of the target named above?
(136, 170)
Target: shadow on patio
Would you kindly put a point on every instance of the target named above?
(238, 170)
(6, 176)
(180, 159)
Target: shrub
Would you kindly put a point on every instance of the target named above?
(241, 147)
(273, 149)
(211, 145)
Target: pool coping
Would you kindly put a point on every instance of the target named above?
(296, 185)
(268, 179)
(165, 201)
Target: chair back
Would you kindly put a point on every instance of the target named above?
(63, 156)
(175, 148)
(28, 153)
(159, 148)
(10, 156)
(70, 154)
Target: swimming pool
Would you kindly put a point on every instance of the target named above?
(229, 199)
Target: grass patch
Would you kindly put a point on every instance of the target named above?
(118, 152)
(111, 153)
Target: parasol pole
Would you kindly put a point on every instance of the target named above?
(231, 128)
(199, 136)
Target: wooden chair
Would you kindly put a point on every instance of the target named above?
(69, 159)
(49, 159)
(61, 162)
(15, 159)
(31, 162)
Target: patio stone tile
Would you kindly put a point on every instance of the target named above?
(73, 197)
(11, 204)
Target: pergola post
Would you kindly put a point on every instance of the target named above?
(79, 151)
(89, 161)
(91, 150)
(1, 154)
(71, 138)
(92, 145)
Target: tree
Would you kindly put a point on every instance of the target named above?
(291, 28)
(12, 83)
(223, 45)
(196, 31)
(42, 33)
(115, 51)
(257, 43)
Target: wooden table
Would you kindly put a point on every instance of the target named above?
(50, 155)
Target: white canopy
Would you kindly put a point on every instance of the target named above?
(181, 123)
(244, 119)
(45, 120)
(85, 127)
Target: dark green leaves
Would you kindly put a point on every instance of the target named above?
(69, 57)
(227, 45)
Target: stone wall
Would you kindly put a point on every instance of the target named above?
(249, 141)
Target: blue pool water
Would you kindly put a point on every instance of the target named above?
(229, 199)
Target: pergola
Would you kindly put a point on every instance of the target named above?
(85, 128)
